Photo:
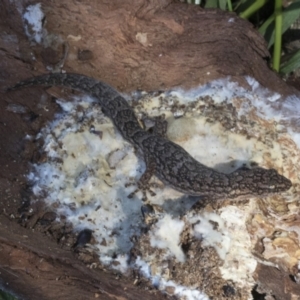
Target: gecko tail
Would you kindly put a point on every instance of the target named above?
(74, 81)
(107, 96)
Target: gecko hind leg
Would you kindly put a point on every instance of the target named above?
(143, 184)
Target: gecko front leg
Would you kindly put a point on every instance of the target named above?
(156, 125)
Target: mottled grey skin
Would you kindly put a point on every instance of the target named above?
(167, 160)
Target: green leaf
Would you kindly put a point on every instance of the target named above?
(212, 4)
(292, 64)
(229, 4)
(253, 8)
(278, 35)
(242, 5)
(289, 16)
(222, 4)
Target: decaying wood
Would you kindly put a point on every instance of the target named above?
(141, 44)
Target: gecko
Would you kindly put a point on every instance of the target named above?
(173, 165)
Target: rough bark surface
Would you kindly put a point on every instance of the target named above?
(36, 268)
(149, 45)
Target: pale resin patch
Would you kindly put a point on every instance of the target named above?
(204, 230)
(33, 18)
(167, 285)
(166, 234)
(239, 263)
(87, 172)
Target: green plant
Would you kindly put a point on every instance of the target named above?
(271, 25)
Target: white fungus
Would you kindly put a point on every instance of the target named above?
(87, 176)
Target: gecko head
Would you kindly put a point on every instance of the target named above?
(261, 181)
